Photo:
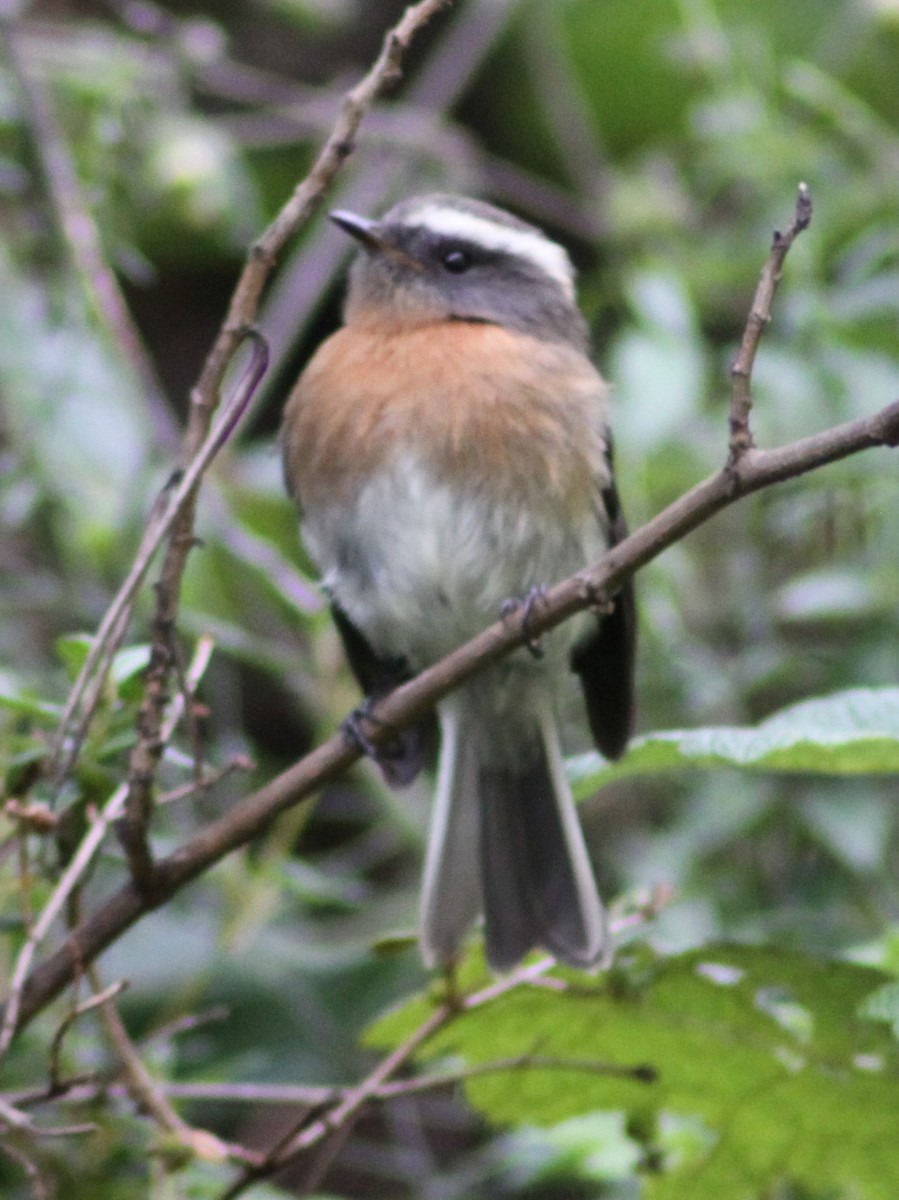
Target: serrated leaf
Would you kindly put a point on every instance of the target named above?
(766, 1050)
(855, 732)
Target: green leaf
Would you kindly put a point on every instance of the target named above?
(317, 889)
(17, 697)
(72, 650)
(593, 1146)
(127, 667)
(855, 732)
(767, 1053)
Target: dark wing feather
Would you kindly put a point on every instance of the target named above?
(412, 748)
(604, 658)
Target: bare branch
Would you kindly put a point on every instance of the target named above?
(146, 1093)
(325, 1133)
(759, 316)
(171, 503)
(40, 1187)
(755, 470)
(242, 311)
(69, 1020)
(207, 780)
(338, 1118)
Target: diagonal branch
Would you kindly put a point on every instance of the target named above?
(169, 507)
(242, 311)
(150, 744)
(756, 469)
(173, 518)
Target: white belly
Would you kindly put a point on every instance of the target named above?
(419, 567)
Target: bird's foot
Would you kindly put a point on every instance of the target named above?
(536, 595)
(353, 731)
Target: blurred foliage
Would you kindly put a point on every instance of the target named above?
(662, 143)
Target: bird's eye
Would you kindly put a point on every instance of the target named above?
(456, 261)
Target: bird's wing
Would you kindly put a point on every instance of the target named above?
(604, 658)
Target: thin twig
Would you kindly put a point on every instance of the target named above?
(760, 314)
(79, 863)
(327, 1132)
(187, 1023)
(151, 1098)
(40, 1188)
(87, 1087)
(208, 780)
(99, 997)
(88, 687)
(14, 1119)
(179, 516)
(642, 1073)
(256, 1093)
(352, 1101)
(192, 712)
(148, 748)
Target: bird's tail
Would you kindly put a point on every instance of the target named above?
(506, 840)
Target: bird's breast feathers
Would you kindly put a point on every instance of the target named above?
(439, 474)
(486, 407)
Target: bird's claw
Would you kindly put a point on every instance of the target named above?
(351, 727)
(536, 595)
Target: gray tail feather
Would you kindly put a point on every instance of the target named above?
(506, 838)
(451, 889)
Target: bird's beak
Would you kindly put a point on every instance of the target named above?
(367, 232)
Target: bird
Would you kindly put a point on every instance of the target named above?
(449, 451)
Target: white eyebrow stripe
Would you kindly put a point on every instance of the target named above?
(547, 256)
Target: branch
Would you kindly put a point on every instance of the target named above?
(325, 1133)
(241, 314)
(174, 520)
(147, 1095)
(177, 516)
(170, 505)
(759, 316)
(98, 998)
(79, 863)
(641, 1073)
(756, 469)
(339, 1117)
